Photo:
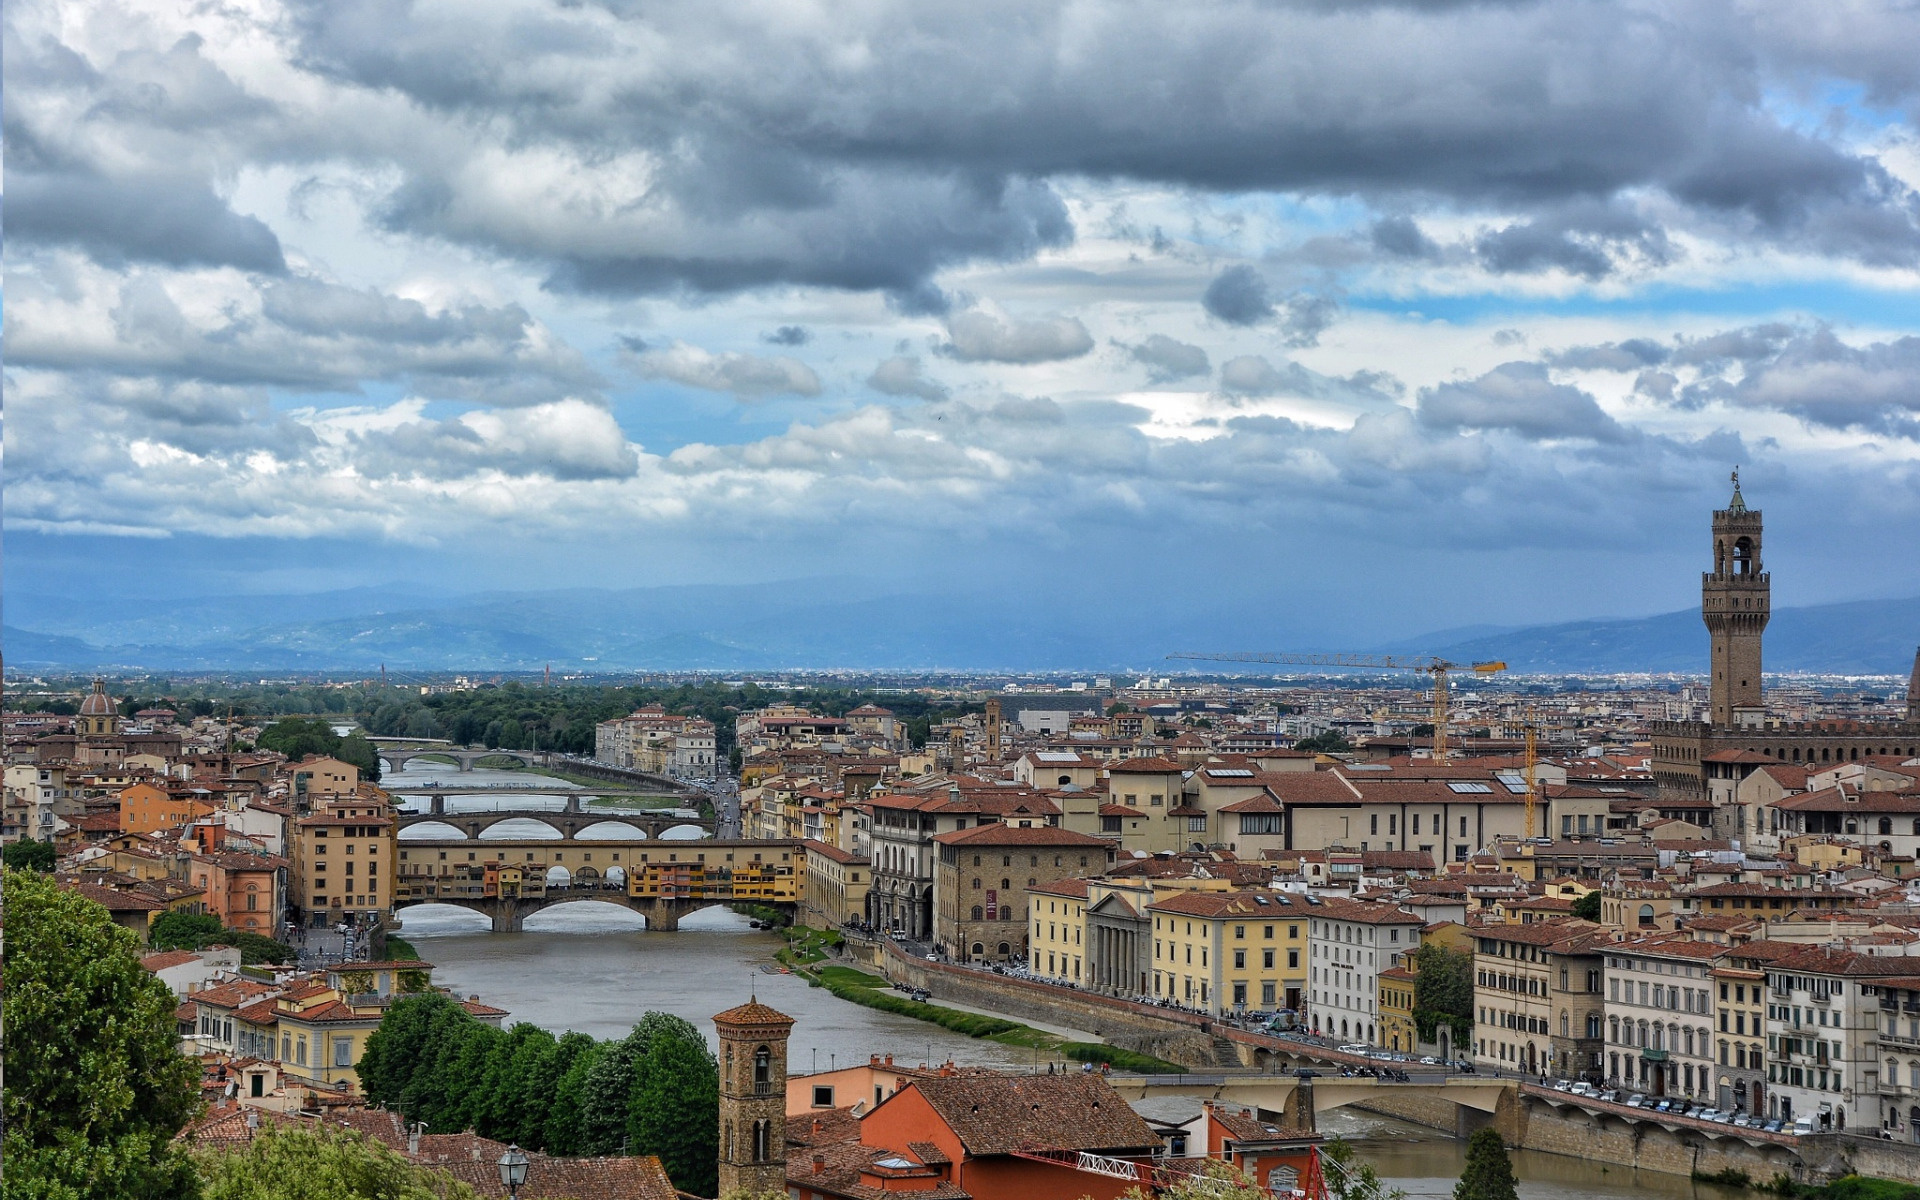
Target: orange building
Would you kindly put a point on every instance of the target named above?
(992, 1137)
(247, 892)
(1282, 1160)
(148, 808)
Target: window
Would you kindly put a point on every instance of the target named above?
(823, 1095)
(343, 1052)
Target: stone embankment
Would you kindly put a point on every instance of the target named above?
(1529, 1116)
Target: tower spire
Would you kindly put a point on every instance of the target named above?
(1738, 504)
(1913, 691)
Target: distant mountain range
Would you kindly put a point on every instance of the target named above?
(810, 624)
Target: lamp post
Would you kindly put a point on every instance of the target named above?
(513, 1171)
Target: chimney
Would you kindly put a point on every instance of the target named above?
(819, 1163)
(413, 1140)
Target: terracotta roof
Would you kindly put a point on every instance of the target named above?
(164, 959)
(1848, 800)
(1243, 1127)
(1365, 913)
(753, 1013)
(997, 1114)
(1232, 904)
(1144, 766)
(1013, 835)
(830, 851)
(1073, 888)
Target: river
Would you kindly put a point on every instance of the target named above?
(594, 968)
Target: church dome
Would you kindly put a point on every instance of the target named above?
(98, 703)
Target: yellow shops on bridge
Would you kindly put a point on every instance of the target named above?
(465, 871)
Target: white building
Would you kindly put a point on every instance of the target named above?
(1660, 1015)
(1349, 942)
(1833, 1053)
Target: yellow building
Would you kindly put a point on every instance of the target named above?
(344, 857)
(1231, 951)
(1397, 1030)
(836, 887)
(1056, 945)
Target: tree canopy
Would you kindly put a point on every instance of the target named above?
(29, 855)
(1489, 1173)
(655, 1091)
(96, 1088)
(197, 931)
(1442, 990)
(1330, 742)
(320, 1164)
(1587, 907)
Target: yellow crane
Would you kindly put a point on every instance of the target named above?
(1436, 667)
(1532, 729)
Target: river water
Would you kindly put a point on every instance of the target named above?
(595, 968)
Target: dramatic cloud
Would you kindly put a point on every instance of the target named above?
(1520, 397)
(1167, 359)
(1443, 276)
(981, 336)
(748, 376)
(1238, 296)
(900, 376)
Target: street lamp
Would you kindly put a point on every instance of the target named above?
(513, 1171)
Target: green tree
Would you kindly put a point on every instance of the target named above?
(29, 855)
(606, 1101)
(184, 931)
(356, 749)
(566, 1130)
(517, 1089)
(1442, 991)
(296, 738)
(320, 1164)
(96, 1087)
(1489, 1173)
(1330, 742)
(1350, 1179)
(1587, 907)
(675, 1110)
(197, 931)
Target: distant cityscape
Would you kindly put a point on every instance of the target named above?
(1687, 908)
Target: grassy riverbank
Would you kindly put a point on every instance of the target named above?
(872, 991)
(1847, 1187)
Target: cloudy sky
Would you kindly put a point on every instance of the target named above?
(1415, 314)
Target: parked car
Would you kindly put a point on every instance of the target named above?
(1637, 1100)
(1802, 1126)
(1706, 1114)
(1429, 1060)
(1562, 1086)
(1772, 1125)
(1723, 1118)
(1611, 1096)
(1743, 1121)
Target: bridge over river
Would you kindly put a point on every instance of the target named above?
(509, 879)
(569, 822)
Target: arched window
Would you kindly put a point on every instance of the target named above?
(729, 1142)
(1563, 1023)
(1646, 914)
(761, 1151)
(1744, 558)
(979, 913)
(979, 951)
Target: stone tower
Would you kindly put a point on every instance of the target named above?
(1734, 603)
(993, 730)
(753, 1099)
(1913, 692)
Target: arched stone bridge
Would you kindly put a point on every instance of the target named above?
(568, 822)
(663, 881)
(397, 757)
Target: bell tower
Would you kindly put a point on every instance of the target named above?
(753, 1099)
(1735, 602)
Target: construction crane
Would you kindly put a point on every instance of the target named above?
(1436, 667)
(1532, 729)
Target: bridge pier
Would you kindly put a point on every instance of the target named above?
(439, 808)
(509, 920)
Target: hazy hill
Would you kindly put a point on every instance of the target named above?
(812, 624)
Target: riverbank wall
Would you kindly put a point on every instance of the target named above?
(1164, 1036)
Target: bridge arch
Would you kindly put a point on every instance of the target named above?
(431, 830)
(686, 832)
(611, 829)
(520, 828)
